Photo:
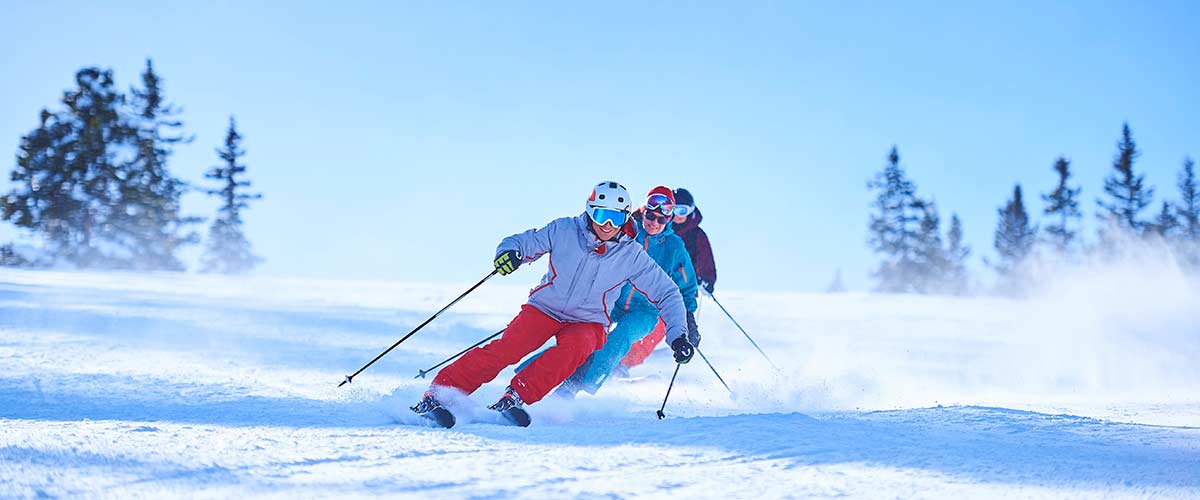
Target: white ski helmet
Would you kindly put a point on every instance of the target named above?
(609, 194)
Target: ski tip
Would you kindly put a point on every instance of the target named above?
(518, 417)
(439, 416)
(442, 417)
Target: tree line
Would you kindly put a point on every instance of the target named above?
(904, 228)
(92, 183)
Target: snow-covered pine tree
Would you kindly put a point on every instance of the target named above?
(1062, 206)
(1127, 193)
(228, 250)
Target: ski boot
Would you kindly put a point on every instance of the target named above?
(510, 405)
(568, 389)
(429, 407)
(621, 372)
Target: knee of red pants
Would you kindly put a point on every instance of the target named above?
(526, 332)
(574, 343)
(597, 335)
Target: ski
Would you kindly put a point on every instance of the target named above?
(440, 416)
(517, 416)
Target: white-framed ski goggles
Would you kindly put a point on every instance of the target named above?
(612, 217)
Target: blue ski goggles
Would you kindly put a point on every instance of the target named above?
(602, 216)
(683, 210)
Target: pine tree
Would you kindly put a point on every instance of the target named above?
(1063, 205)
(1188, 211)
(893, 227)
(69, 173)
(10, 258)
(1127, 193)
(1165, 224)
(45, 201)
(92, 178)
(228, 249)
(149, 209)
(1014, 235)
(930, 255)
(956, 278)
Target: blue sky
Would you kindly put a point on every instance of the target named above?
(404, 140)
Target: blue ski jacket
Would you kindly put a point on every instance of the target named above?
(667, 249)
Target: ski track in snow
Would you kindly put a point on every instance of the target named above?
(116, 386)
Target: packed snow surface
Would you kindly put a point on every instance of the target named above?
(115, 385)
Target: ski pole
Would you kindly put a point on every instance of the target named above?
(714, 370)
(460, 353)
(350, 378)
(735, 323)
(661, 415)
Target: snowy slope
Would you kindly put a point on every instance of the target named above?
(117, 385)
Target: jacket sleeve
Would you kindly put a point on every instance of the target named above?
(706, 269)
(688, 286)
(650, 279)
(531, 244)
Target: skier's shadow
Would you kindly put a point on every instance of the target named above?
(70, 398)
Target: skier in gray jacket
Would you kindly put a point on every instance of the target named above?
(591, 257)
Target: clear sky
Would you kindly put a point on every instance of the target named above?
(404, 140)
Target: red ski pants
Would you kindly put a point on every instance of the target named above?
(528, 331)
(642, 348)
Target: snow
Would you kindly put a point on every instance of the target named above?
(119, 385)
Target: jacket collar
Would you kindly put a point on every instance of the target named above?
(691, 223)
(642, 235)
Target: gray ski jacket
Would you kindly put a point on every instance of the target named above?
(586, 274)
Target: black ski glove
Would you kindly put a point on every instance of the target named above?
(707, 286)
(683, 350)
(507, 262)
(693, 334)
